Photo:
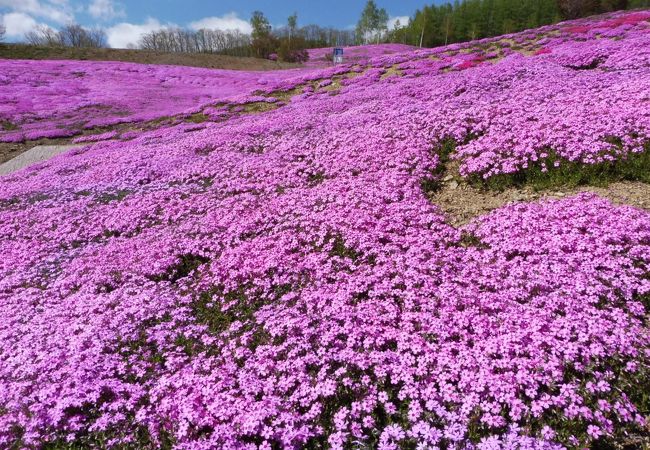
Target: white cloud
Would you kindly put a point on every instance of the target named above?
(17, 24)
(123, 34)
(228, 21)
(106, 9)
(403, 20)
(58, 11)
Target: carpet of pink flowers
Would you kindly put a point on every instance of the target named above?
(47, 99)
(50, 99)
(280, 280)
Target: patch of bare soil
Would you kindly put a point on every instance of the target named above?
(462, 202)
(9, 150)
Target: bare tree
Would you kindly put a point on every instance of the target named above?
(69, 36)
(97, 37)
(177, 40)
(318, 36)
(74, 35)
(43, 36)
(234, 42)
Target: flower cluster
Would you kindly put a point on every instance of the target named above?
(277, 278)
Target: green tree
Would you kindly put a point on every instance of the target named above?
(614, 5)
(400, 33)
(292, 46)
(464, 20)
(260, 24)
(373, 22)
(572, 9)
(262, 42)
(292, 24)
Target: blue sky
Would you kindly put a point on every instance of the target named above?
(126, 20)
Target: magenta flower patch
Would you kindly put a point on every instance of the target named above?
(277, 278)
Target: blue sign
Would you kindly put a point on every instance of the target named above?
(337, 55)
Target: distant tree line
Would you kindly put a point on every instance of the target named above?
(317, 36)
(465, 20)
(287, 43)
(179, 40)
(72, 35)
(433, 25)
(474, 19)
(3, 30)
(572, 9)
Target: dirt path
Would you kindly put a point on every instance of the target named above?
(33, 156)
(10, 150)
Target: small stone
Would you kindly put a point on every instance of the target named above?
(453, 185)
(448, 178)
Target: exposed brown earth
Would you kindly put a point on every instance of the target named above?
(22, 51)
(462, 202)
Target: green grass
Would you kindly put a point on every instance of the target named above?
(208, 308)
(286, 96)
(186, 264)
(161, 120)
(111, 196)
(99, 440)
(444, 150)
(198, 118)
(317, 178)
(8, 126)
(632, 167)
(258, 107)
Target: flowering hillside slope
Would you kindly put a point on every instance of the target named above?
(60, 98)
(318, 57)
(275, 276)
(48, 99)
